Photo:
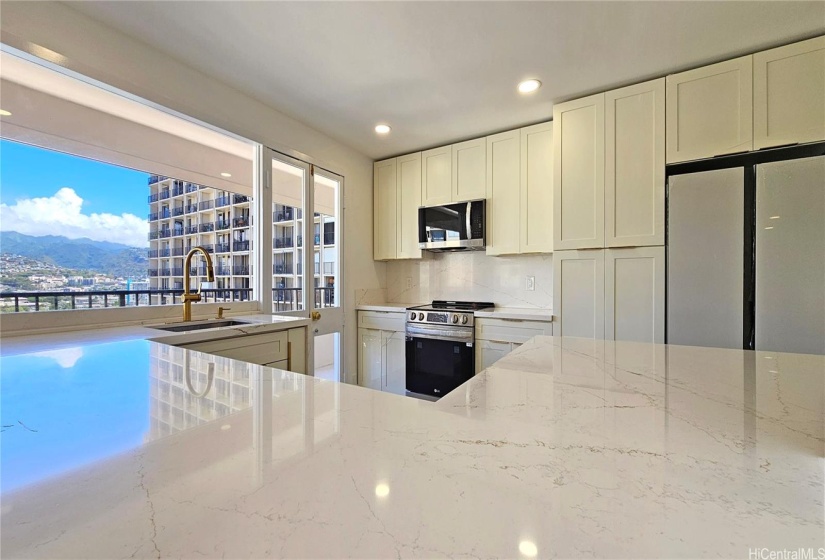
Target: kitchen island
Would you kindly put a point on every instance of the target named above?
(564, 448)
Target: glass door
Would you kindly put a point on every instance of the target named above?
(303, 234)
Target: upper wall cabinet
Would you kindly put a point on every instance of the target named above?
(710, 111)
(536, 188)
(578, 144)
(385, 202)
(469, 168)
(503, 176)
(789, 94)
(635, 165)
(397, 196)
(409, 199)
(436, 176)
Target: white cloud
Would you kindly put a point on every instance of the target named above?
(62, 214)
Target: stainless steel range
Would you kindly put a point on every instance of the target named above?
(440, 346)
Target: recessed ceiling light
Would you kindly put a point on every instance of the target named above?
(529, 86)
(225, 174)
(382, 490)
(528, 549)
(382, 129)
(774, 217)
(770, 227)
(4, 113)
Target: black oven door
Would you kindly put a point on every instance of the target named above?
(436, 367)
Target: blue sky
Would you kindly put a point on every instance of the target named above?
(49, 193)
(27, 172)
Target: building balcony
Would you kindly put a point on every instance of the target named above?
(154, 235)
(178, 211)
(206, 204)
(191, 187)
(281, 268)
(206, 227)
(222, 201)
(165, 214)
(240, 246)
(152, 253)
(223, 270)
(240, 270)
(177, 271)
(165, 233)
(241, 222)
(282, 242)
(191, 230)
(153, 216)
(208, 248)
(178, 252)
(156, 179)
(154, 198)
(163, 253)
(177, 231)
(239, 199)
(222, 224)
(165, 271)
(153, 272)
(222, 248)
(163, 195)
(189, 208)
(283, 216)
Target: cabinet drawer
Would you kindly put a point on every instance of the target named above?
(382, 320)
(511, 330)
(257, 349)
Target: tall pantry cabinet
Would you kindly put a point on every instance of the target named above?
(609, 214)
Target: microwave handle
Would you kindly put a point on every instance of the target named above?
(469, 221)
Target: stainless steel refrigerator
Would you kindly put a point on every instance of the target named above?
(746, 256)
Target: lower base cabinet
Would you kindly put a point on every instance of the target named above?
(382, 362)
(495, 338)
(614, 294)
(282, 349)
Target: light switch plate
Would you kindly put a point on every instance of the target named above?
(531, 283)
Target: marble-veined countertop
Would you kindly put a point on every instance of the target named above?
(564, 448)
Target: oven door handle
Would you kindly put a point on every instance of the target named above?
(451, 336)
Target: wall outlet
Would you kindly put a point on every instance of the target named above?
(531, 283)
(409, 282)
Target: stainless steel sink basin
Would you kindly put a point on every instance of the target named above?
(199, 325)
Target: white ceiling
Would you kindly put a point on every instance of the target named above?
(439, 72)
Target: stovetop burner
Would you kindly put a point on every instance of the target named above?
(456, 305)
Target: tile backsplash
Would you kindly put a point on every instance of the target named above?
(472, 277)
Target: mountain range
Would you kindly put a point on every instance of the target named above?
(113, 259)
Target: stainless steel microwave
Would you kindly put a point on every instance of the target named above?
(452, 227)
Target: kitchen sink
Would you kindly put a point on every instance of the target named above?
(198, 325)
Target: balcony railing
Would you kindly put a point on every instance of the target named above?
(222, 224)
(52, 301)
(282, 242)
(289, 299)
(165, 214)
(153, 216)
(163, 252)
(165, 233)
(152, 253)
(156, 179)
(239, 199)
(164, 195)
(177, 231)
(153, 272)
(154, 235)
(222, 247)
(222, 201)
(223, 270)
(208, 248)
(240, 246)
(206, 204)
(281, 268)
(284, 216)
(240, 222)
(154, 198)
(241, 270)
(207, 227)
(178, 211)
(178, 271)
(189, 208)
(178, 252)
(191, 229)
(191, 187)
(165, 272)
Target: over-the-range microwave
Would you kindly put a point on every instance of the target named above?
(452, 227)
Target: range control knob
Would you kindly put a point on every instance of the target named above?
(420, 316)
(412, 316)
(455, 318)
(464, 319)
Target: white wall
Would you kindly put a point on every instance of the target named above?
(90, 48)
(472, 277)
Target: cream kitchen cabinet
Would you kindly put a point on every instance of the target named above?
(520, 191)
(385, 207)
(495, 338)
(408, 183)
(634, 296)
(615, 294)
(397, 196)
(710, 110)
(578, 293)
(283, 349)
(578, 171)
(789, 94)
(469, 169)
(436, 176)
(634, 179)
(381, 351)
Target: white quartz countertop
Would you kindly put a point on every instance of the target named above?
(517, 313)
(565, 448)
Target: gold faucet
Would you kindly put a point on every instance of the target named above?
(188, 298)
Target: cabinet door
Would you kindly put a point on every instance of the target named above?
(634, 178)
(384, 208)
(297, 350)
(436, 176)
(469, 169)
(789, 94)
(710, 110)
(502, 193)
(409, 199)
(537, 189)
(634, 296)
(395, 362)
(578, 293)
(578, 172)
(369, 358)
(489, 352)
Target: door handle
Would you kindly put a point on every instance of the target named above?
(315, 315)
